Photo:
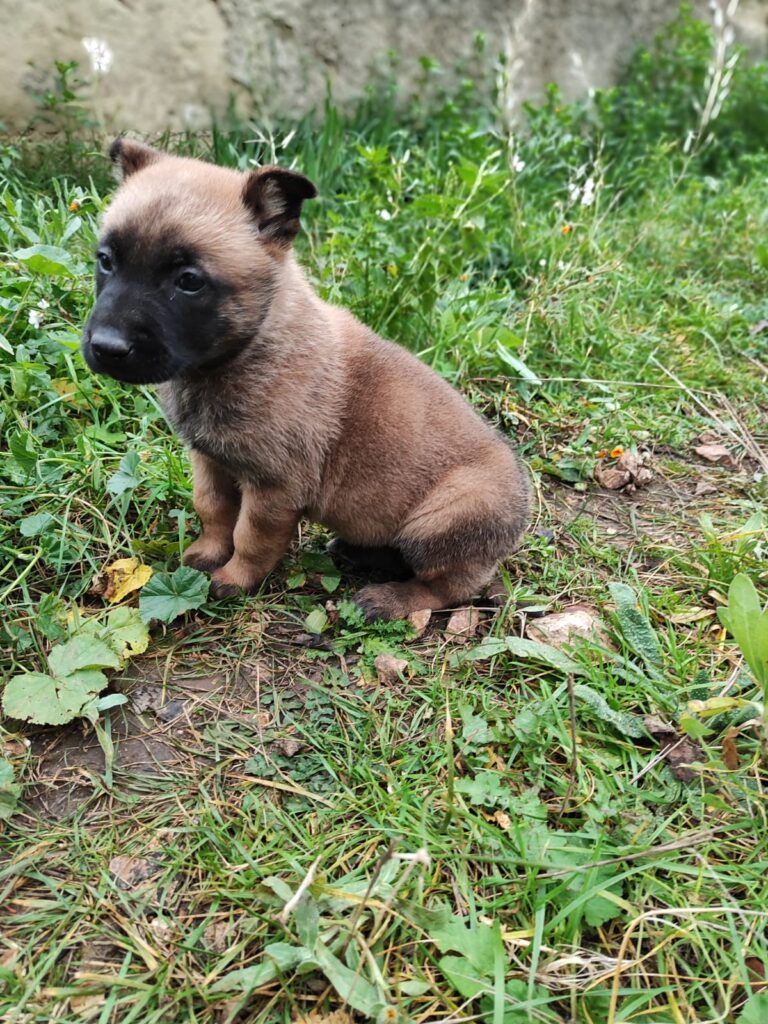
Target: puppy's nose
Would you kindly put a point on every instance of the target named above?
(108, 343)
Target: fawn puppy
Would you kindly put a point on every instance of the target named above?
(290, 406)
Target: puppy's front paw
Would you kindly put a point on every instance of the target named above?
(233, 579)
(380, 601)
(206, 555)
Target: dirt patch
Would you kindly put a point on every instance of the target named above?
(153, 734)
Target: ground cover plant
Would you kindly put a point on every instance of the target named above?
(265, 810)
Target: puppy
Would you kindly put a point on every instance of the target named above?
(290, 406)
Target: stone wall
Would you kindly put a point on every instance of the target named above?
(171, 63)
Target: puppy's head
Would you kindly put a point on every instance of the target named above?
(188, 262)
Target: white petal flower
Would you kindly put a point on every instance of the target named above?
(385, 215)
(574, 191)
(35, 317)
(43, 304)
(588, 195)
(517, 164)
(100, 53)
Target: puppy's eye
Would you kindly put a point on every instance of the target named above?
(190, 281)
(104, 261)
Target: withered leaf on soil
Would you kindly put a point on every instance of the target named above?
(729, 751)
(420, 620)
(560, 628)
(130, 872)
(631, 471)
(677, 750)
(462, 625)
(715, 453)
(389, 669)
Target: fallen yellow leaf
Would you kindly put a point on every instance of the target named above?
(120, 578)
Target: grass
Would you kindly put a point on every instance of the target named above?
(567, 872)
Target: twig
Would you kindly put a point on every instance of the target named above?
(294, 901)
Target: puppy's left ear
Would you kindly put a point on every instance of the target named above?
(130, 156)
(274, 197)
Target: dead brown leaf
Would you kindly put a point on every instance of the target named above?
(131, 872)
(631, 471)
(715, 453)
(462, 625)
(677, 750)
(704, 487)
(87, 1006)
(288, 745)
(218, 936)
(730, 753)
(389, 669)
(420, 620)
(560, 628)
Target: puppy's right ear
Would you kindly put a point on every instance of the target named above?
(130, 156)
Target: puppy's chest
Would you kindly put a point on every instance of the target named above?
(222, 429)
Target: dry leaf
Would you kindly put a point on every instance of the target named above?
(120, 578)
(389, 670)
(131, 872)
(704, 487)
(420, 620)
(730, 753)
(462, 625)
(502, 819)
(563, 627)
(88, 1006)
(288, 745)
(218, 936)
(632, 470)
(692, 615)
(677, 750)
(716, 453)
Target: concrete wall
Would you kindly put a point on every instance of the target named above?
(171, 63)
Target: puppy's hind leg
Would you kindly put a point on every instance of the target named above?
(216, 498)
(455, 537)
(357, 558)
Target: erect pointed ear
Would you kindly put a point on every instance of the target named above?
(130, 156)
(274, 197)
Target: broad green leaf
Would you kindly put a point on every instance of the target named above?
(31, 526)
(279, 957)
(552, 656)
(621, 721)
(635, 627)
(477, 942)
(755, 1010)
(83, 651)
(599, 909)
(47, 259)
(485, 789)
(316, 621)
(37, 697)
(21, 447)
(167, 595)
(306, 918)
(747, 623)
(465, 978)
(330, 582)
(9, 790)
(516, 364)
(350, 985)
(127, 477)
(125, 632)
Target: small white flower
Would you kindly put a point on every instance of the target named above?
(100, 53)
(542, 263)
(588, 195)
(385, 215)
(35, 317)
(574, 191)
(43, 304)
(517, 164)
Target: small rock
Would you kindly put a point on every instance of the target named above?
(420, 620)
(389, 670)
(560, 628)
(715, 453)
(462, 625)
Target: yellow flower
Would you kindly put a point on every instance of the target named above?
(74, 206)
(566, 229)
(616, 452)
